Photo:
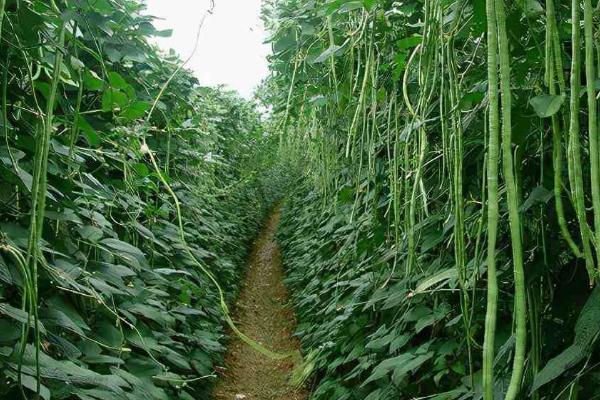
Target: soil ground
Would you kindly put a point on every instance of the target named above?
(262, 312)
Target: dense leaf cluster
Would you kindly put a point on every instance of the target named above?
(383, 106)
(123, 311)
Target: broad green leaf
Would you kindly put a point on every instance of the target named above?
(16, 314)
(9, 331)
(401, 371)
(55, 317)
(117, 81)
(67, 371)
(76, 63)
(532, 8)
(471, 99)
(376, 395)
(350, 6)
(387, 366)
(90, 133)
(135, 110)
(538, 195)
(442, 276)
(31, 383)
(121, 246)
(409, 42)
(587, 330)
(546, 105)
(92, 80)
(369, 4)
(170, 271)
(133, 53)
(90, 233)
(108, 333)
(114, 55)
(113, 100)
(103, 7)
(164, 33)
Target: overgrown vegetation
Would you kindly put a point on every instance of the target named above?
(442, 242)
(441, 234)
(99, 296)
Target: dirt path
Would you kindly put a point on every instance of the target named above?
(262, 312)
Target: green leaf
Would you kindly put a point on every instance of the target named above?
(67, 371)
(134, 53)
(350, 6)
(399, 65)
(16, 314)
(470, 100)
(376, 395)
(55, 317)
(164, 33)
(135, 110)
(103, 7)
(538, 195)
(558, 365)
(409, 42)
(90, 233)
(9, 331)
(369, 4)
(120, 246)
(77, 64)
(532, 8)
(587, 330)
(113, 54)
(546, 105)
(401, 371)
(30, 383)
(117, 81)
(90, 133)
(69, 310)
(318, 101)
(170, 271)
(387, 366)
(113, 100)
(284, 43)
(108, 333)
(92, 81)
(442, 276)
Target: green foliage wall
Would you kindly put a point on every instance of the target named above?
(443, 239)
(123, 312)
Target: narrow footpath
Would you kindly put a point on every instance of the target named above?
(264, 313)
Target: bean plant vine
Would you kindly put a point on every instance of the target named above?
(462, 205)
(109, 253)
(439, 169)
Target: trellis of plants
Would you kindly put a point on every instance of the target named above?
(443, 239)
(118, 194)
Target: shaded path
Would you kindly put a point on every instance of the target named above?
(262, 312)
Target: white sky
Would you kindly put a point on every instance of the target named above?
(231, 49)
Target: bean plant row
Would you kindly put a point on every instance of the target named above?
(450, 152)
(127, 191)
